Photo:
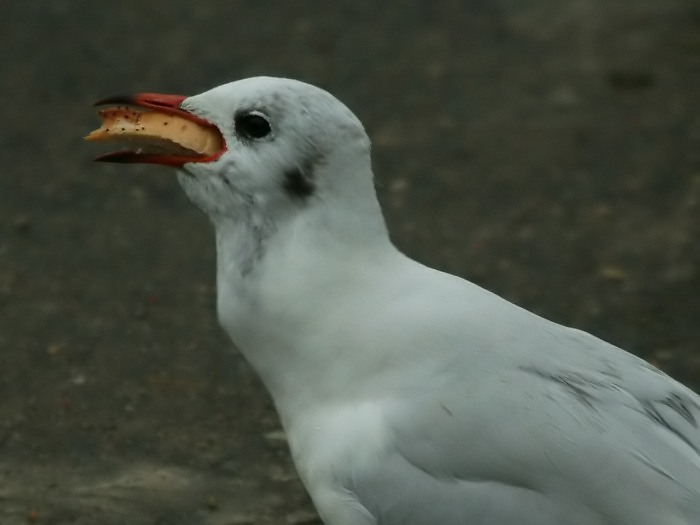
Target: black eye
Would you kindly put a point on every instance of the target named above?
(252, 125)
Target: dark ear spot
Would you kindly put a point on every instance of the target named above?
(298, 183)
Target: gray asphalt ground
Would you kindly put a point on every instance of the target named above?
(548, 150)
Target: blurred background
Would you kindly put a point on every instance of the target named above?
(548, 150)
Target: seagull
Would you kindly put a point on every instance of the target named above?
(408, 396)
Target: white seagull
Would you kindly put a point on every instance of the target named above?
(409, 396)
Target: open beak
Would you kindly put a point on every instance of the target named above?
(157, 131)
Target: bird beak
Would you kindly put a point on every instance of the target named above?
(157, 130)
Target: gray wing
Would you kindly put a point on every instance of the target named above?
(576, 432)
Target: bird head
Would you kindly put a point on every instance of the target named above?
(260, 142)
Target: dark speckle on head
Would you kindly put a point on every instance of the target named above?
(298, 183)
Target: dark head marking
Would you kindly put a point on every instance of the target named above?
(298, 183)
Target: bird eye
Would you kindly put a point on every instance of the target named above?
(252, 125)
